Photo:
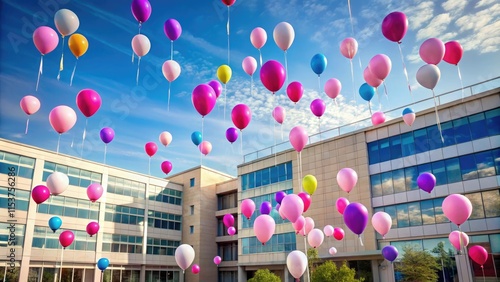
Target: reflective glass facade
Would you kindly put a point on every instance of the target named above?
(23, 165)
(77, 177)
(165, 195)
(45, 238)
(126, 187)
(22, 199)
(72, 207)
(266, 176)
(284, 242)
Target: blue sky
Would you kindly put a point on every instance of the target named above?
(138, 114)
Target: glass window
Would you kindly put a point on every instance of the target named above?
(373, 154)
(376, 185)
(386, 179)
(485, 164)
(493, 122)
(435, 141)
(258, 178)
(424, 168)
(411, 175)
(439, 171)
(496, 158)
(438, 211)
(384, 150)
(407, 144)
(191, 182)
(478, 122)
(415, 214)
(274, 174)
(403, 218)
(265, 176)
(398, 179)
(468, 167)
(427, 210)
(462, 131)
(491, 200)
(420, 139)
(396, 151)
(391, 210)
(477, 205)
(453, 173)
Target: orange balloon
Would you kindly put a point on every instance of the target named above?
(78, 44)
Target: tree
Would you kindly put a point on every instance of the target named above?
(328, 271)
(312, 259)
(418, 266)
(444, 258)
(264, 275)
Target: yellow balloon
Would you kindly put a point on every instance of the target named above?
(224, 73)
(309, 183)
(78, 44)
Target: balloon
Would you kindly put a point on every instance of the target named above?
(102, 264)
(151, 148)
(216, 86)
(249, 65)
(309, 225)
(263, 227)
(205, 147)
(94, 192)
(166, 167)
(347, 179)
(55, 223)
(426, 181)
(231, 231)
(278, 207)
(40, 194)
(231, 134)
(195, 269)
(457, 208)
(458, 242)
(318, 107)
(428, 76)
(284, 35)
(30, 104)
(390, 253)
(453, 52)
(282, 215)
(217, 260)
(382, 223)
(224, 73)
(165, 138)
(394, 26)
(409, 116)
(272, 75)
(333, 87)
(294, 91)
(57, 182)
(62, 118)
(241, 116)
(92, 228)
(203, 99)
(172, 29)
(315, 238)
(380, 66)
(292, 207)
(296, 261)
(478, 254)
(332, 251)
(258, 37)
(141, 45)
(306, 198)
(228, 220)
(247, 208)
(66, 22)
(45, 39)
(66, 238)
(356, 217)
(318, 64)
(184, 256)
(338, 233)
(196, 138)
(309, 183)
(366, 92)
(371, 79)
(107, 134)
(88, 101)
(78, 45)
(378, 118)
(228, 2)
(328, 230)
(141, 9)
(432, 51)
(171, 70)
(279, 114)
(279, 196)
(265, 207)
(341, 204)
(349, 47)
(298, 225)
(298, 138)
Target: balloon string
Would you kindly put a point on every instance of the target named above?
(225, 92)
(319, 128)
(241, 143)
(461, 82)
(133, 56)
(437, 115)
(251, 85)
(39, 72)
(202, 138)
(484, 277)
(286, 69)
(83, 137)
(72, 140)
(385, 91)
(168, 99)
(350, 16)
(149, 166)
(370, 108)
(260, 56)
(405, 71)
(319, 85)
(459, 240)
(281, 132)
(140, 26)
(360, 241)
(352, 79)
(27, 124)
(227, 28)
(58, 141)
(105, 149)
(61, 63)
(60, 267)
(137, 74)
(378, 97)
(73, 73)
(171, 50)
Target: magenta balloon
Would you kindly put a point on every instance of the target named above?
(141, 9)
(395, 26)
(295, 90)
(94, 192)
(203, 99)
(228, 220)
(432, 51)
(292, 207)
(231, 231)
(150, 148)
(40, 194)
(172, 29)
(217, 260)
(92, 228)
(299, 224)
(378, 118)
(298, 138)
(263, 228)
(166, 167)
(338, 233)
(241, 116)
(347, 179)
(247, 208)
(380, 66)
(341, 204)
(279, 114)
(231, 134)
(333, 87)
(453, 52)
(457, 208)
(272, 75)
(195, 269)
(318, 107)
(88, 101)
(478, 254)
(356, 217)
(458, 242)
(426, 181)
(216, 86)
(370, 78)
(306, 198)
(66, 238)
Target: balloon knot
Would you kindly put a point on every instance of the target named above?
(263, 244)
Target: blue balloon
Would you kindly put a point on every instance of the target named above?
(366, 92)
(408, 111)
(196, 138)
(103, 263)
(318, 63)
(55, 223)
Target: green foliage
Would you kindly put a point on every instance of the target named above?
(312, 259)
(443, 255)
(328, 271)
(418, 266)
(264, 275)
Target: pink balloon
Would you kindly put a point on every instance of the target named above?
(216, 86)
(299, 224)
(62, 118)
(478, 254)
(457, 208)
(295, 90)
(370, 78)
(247, 208)
(309, 225)
(94, 192)
(66, 238)
(279, 114)
(382, 223)
(338, 233)
(203, 99)
(249, 65)
(347, 179)
(272, 75)
(341, 204)
(432, 51)
(205, 147)
(298, 138)
(166, 167)
(458, 242)
(92, 228)
(30, 104)
(292, 207)
(217, 260)
(280, 212)
(378, 118)
(302, 232)
(150, 148)
(88, 101)
(349, 47)
(258, 37)
(40, 194)
(315, 238)
(332, 251)
(195, 269)
(328, 230)
(231, 231)
(263, 228)
(306, 198)
(380, 66)
(241, 116)
(228, 220)
(171, 70)
(453, 52)
(45, 39)
(165, 138)
(333, 88)
(318, 107)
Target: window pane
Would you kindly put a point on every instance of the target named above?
(420, 139)
(485, 164)
(448, 133)
(453, 173)
(496, 158)
(376, 185)
(415, 215)
(407, 144)
(493, 122)
(403, 219)
(396, 151)
(434, 140)
(427, 210)
(387, 188)
(478, 122)
(491, 201)
(391, 210)
(411, 175)
(373, 154)
(384, 150)
(398, 178)
(439, 172)
(468, 167)
(438, 211)
(462, 131)
(477, 205)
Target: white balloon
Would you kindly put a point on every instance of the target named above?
(428, 76)
(332, 251)
(184, 256)
(66, 22)
(57, 182)
(315, 238)
(309, 225)
(284, 35)
(296, 261)
(141, 45)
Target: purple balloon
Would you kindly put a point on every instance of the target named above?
(426, 181)
(394, 26)
(278, 206)
(141, 9)
(318, 107)
(216, 86)
(279, 196)
(390, 253)
(265, 207)
(172, 29)
(231, 134)
(107, 134)
(356, 217)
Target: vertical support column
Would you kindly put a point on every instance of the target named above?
(242, 274)
(375, 270)
(99, 235)
(463, 268)
(386, 272)
(287, 274)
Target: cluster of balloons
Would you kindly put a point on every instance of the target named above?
(228, 221)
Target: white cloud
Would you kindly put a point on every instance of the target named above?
(455, 7)
(420, 14)
(436, 27)
(481, 31)
(483, 3)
